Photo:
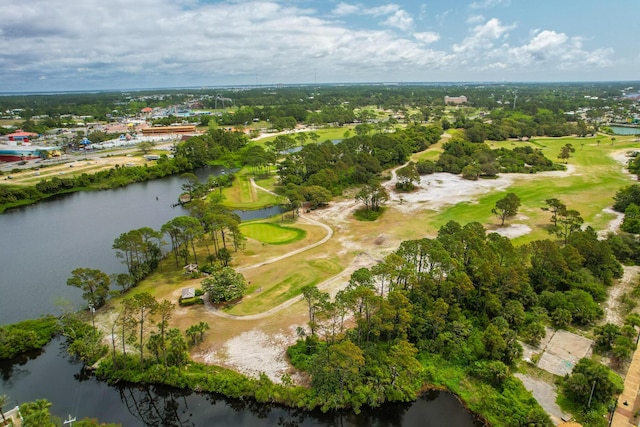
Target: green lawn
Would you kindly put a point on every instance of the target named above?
(274, 234)
(284, 282)
(242, 195)
(588, 189)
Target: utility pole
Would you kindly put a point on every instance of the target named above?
(93, 311)
(70, 421)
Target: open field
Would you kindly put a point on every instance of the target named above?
(71, 166)
(252, 336)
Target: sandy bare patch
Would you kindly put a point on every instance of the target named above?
(442, 189)
(614, 224)
(253, 352)
(611, 307)
(514, 230)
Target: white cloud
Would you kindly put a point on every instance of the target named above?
(176, 43)
(483, 36)
(486, 4)
(343, 9)
(475, 19)
(401, 20)
(427, 37)
(548, 48)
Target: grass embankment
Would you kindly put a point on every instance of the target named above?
(588, 187)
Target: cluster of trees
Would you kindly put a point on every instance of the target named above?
(25, 336)
(318, 171)
(618, 342)
(466, 297)
(627, 201)
(136, 314)
(140, 250)
(474, 160)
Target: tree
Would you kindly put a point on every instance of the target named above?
(407, 175)
(506, 207)
(631, 222)
(554, 206)
(165, 310)
(177, 354)
(301, 137)
(569, 221)
(94, 284)
(373, 195)
(191, 184)
(590, 382)
(36, 414)
(145, 147)
(315, 300)
(565, 152)
(224, 284)
(146, 305)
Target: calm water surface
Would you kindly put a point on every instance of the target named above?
(72, 390)
(41, 244)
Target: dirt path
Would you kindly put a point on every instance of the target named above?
(612, 312)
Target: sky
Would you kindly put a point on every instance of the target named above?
(66, 45)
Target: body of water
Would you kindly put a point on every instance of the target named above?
(74, 391)
(624, 130)
(42, 243)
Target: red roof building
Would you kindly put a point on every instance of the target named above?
(21, 136)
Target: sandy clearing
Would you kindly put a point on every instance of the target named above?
(514, 230)
(441, 189)
(254, 352)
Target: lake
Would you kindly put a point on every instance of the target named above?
(42, 243)
(624, 130)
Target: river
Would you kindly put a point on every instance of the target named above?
(41, 244)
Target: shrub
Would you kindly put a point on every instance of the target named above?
(190, 301)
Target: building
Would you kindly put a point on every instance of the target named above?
(455, 99)
(21, 137)
(164, 130)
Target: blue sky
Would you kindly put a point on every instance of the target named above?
(54, 45)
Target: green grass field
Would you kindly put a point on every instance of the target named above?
(273, 234)
(589, 188)
(242, 195)
(279, 284)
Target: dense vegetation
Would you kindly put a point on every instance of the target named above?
(459, 302)
(26, 336)
(447, 311)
